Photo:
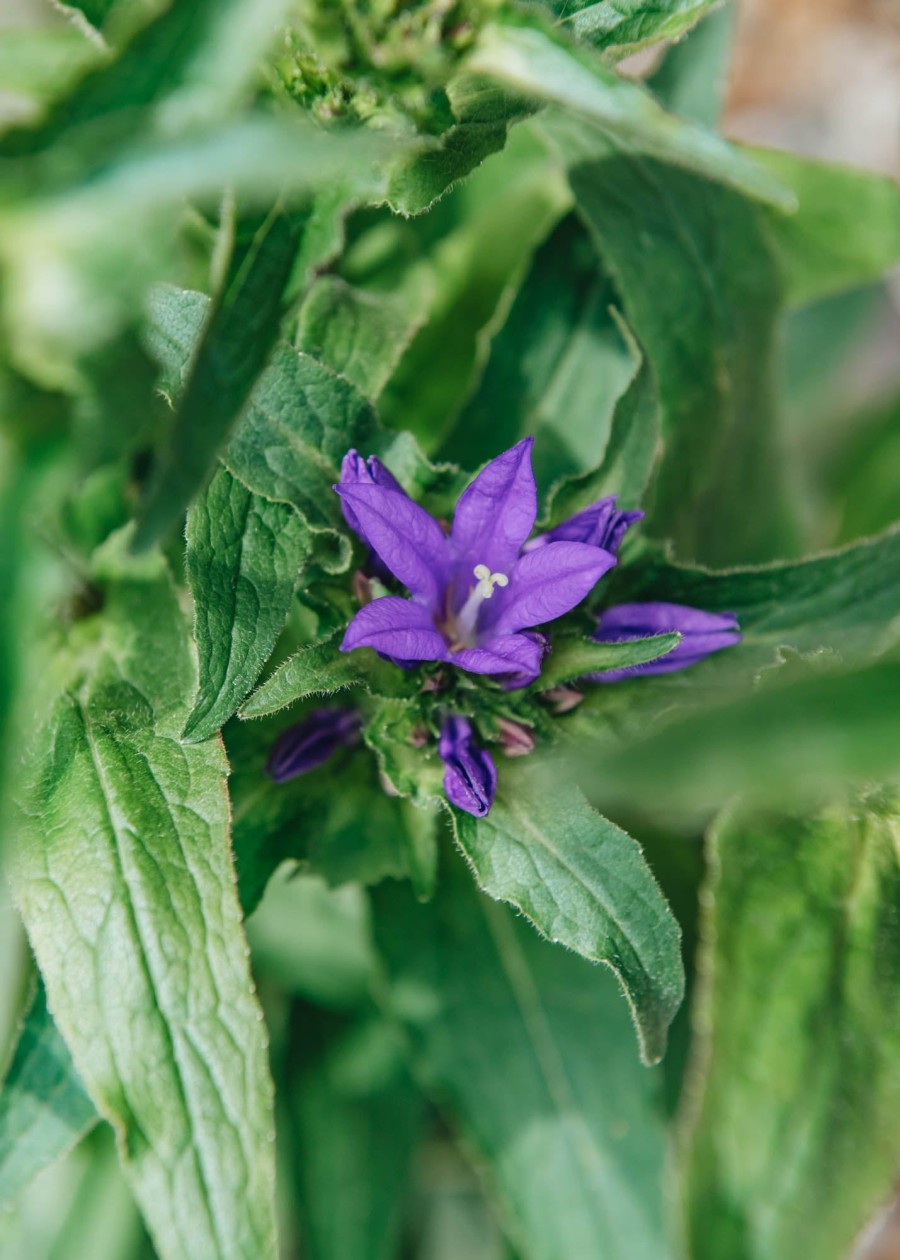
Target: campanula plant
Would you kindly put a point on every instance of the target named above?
(447, 542)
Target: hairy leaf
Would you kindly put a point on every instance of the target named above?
(244, 559)
(573, 658)
(44, 1108)
(583, 883)
(802, 951)
(529, 1052)
(124, 878)
(318, 670)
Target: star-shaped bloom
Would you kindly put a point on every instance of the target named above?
(474, 594)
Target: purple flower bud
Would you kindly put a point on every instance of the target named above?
(599, 525)
(356, 471)
(516, 740)
(470, 777)
(311, 742)
(701, 633)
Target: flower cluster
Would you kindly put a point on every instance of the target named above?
(477, 594)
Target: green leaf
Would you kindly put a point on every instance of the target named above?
(410, 767)
(845, 233)
(845, 602)
(187, 65)
(299, 423)
(355, 1118)
(545, 66)
(124, 878)
(624, 26)
(631, 453)
(791, 742)
(314, 940)
(35, 64)
(244, 560)
(239, 333)
(691, 259)
(693, 78)
(573, 658)
(529, 1052)
(801, 951)
(360, 334)
(556, 367)
(320, 669)
(337, 820)
(44, 1109)
(419, 178)
(583, 883)
(476, 244)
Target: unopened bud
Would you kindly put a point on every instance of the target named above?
(562, 699)
(516, 740)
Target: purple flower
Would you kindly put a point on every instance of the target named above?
(470, 777)
(600, 525)
(356, 471)
(701, 633)
(475, 592)
(310, 742)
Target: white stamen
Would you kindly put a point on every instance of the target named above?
(468, 614)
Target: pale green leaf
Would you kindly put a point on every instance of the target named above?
(124, 878)
(244, 559)
(583, 883)
(624, 26)
(529, 1052)
(44, 1108)
(572, 658)
(845, 232)
(544, 66)
(798, 1075)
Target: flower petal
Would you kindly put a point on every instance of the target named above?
(544, 585)
(470, 776)
(405, 537)
(517, 654)
(701, 633)
(496, 513)
(601, 524)
(356, 471)
(396, 627)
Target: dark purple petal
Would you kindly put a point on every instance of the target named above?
(398, 628)
(470, 777)
(600, 525)
(545, 584)
(405, 537)
(517, 656)
(701, 633)
(311, 742)
(496, 513)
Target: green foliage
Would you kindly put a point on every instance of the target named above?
(44, 1109)
(529, 1052)
(801, 963)
(137, 824)
(582, 882)
(238, 239)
